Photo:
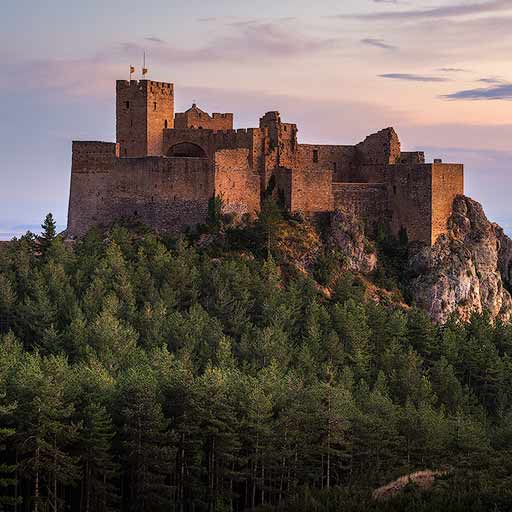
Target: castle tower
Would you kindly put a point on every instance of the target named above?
(143, 110)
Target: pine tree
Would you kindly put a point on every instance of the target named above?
(49, 227)
(147, 453)
(45, 432)
(7, 468)
(98, 468)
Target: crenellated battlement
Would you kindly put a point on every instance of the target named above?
(144, 84)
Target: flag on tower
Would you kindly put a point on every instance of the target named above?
(132, 70)
(144, 71)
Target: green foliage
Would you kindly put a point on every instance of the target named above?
(138, 373)
(393, 254)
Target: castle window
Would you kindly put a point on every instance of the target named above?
(394, 189)
(127, 104)
(165, 124)
(335, 166)
(315, 156)
(154, 106)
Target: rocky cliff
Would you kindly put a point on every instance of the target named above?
(468, 270)
(347, 234)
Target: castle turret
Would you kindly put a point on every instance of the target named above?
(143, 110)
(194, 117)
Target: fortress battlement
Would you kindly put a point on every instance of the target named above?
(164, 168)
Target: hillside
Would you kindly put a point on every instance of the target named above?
(271, 366)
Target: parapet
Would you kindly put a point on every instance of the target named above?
(95, 153)
(144, 85)
(95, 148)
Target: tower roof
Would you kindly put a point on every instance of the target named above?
(195, 109)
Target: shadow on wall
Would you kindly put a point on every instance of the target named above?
(186, 150)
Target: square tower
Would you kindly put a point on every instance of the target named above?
(143, 110)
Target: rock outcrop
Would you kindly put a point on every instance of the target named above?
(468, 270)
(347, 235)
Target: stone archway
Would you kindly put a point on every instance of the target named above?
(186, 150)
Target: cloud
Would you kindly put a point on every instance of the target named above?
(501, 91)
(154, 39)
(447, 11)
(492, 80)
(414, 78)
(379, 43)
(94, 76)
(453, 70)
(244, 40)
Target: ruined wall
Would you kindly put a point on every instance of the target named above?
(367, 201)
(412, 157)
(236, 183)
(280, 145)
(166, 194)
(338, 159)
(375, 154)
(195, 118)
(143, 109)
(447, 183)
(382, 147)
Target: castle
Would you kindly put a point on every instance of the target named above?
(164, 169)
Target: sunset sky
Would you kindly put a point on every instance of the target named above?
(439, 71)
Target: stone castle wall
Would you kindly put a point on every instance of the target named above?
(165, 168)
(167, 194)
(236, 183)
(196, 119)
(447, 184)
(367, 201)
(307, 191)
(338, 159)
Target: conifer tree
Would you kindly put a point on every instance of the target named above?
(49, 232)
(147, 452)
(7, 467)
(98, 467)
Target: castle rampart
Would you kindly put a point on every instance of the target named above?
(165, 167)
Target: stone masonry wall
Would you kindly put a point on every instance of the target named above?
(160, 114)
(410, 193)
(202, 120)
(375, 154)
(143, 109)
(307, 191)
(338, 159)
(447, 183)
(209, 140)
(367, 201)
(166, 194)
(236, 183)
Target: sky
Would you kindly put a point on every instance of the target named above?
(439, 71)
